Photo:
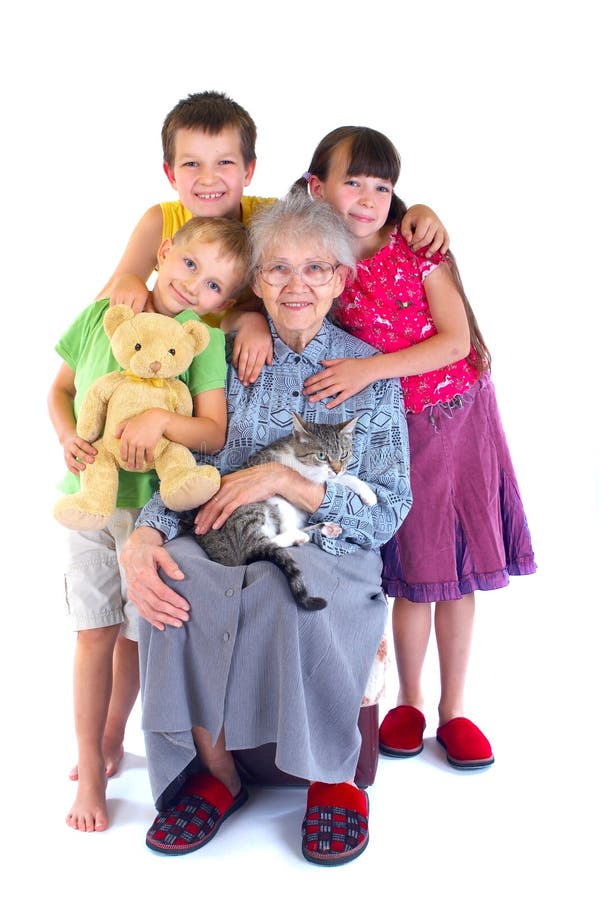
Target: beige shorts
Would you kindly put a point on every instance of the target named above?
(95, 588)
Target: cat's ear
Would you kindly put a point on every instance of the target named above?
(299, 426)
(348, 427)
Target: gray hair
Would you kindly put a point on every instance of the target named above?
(297, 217)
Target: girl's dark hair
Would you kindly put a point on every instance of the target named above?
(480, 355)
(371, 153)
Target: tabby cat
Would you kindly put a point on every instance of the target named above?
(260, 531)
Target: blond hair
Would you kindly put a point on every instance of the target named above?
(231, 236)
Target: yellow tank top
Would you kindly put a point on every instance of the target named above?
(174, 215)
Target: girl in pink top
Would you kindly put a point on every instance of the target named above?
(467, 529)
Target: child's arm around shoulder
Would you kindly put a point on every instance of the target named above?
(77, 452)
(127, 284)
(342, 378)
(252, 346)
(422, 229)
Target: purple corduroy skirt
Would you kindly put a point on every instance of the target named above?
(467, 528)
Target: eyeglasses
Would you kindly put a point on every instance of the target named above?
(315, 273)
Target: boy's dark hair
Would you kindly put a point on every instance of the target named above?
(211, 112)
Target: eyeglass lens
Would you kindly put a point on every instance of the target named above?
(315, 273)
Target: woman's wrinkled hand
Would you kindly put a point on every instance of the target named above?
(142, 558)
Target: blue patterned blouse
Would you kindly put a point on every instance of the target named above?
(261, 413)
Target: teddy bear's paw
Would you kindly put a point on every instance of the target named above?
(71, 512)
(185, 489)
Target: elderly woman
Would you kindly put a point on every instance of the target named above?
(244, 666)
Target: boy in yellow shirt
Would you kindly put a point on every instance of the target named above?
(209, 150)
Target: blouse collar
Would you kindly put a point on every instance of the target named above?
(313, 352)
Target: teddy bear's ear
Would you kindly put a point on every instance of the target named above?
(115, 316)
(199, 334)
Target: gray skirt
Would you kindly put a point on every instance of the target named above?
(249, 661)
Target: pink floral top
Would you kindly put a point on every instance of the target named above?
(386, 306)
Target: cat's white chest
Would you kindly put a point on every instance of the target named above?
(286, 517)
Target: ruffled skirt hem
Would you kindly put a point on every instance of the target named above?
(453, 590)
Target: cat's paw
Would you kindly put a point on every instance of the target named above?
(331, 529)
(291, 538)
(367, 496)
(359, 487)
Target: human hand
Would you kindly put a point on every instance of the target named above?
(129, 290)
(252, 347)
(77, 452)
(142, 557)
(236, 489)
(139, 436)
(421, 228)
(340, 379)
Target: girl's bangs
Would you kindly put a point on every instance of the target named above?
(371, 154)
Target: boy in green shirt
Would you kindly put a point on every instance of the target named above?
(201, 270)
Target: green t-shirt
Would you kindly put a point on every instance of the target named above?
(85, 348)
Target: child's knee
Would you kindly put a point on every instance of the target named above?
(106, 636)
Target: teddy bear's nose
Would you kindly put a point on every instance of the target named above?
(155, 366)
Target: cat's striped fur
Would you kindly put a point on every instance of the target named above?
(261, 531)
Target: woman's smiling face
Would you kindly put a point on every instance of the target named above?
(298, 309)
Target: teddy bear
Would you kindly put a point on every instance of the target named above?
(152, 350)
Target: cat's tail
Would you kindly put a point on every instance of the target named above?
(269, 552)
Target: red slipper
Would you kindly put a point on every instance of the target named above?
(401, 732)
(201, 808)
(465, 744)
(335, 827)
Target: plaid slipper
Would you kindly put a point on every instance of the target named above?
(465, 744)
(335, 827)
(401, 732)
(201, 808)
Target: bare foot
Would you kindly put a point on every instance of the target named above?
(113, 758)
(113, 755)
(89, 811)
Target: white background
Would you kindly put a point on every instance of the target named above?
(493, 108)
